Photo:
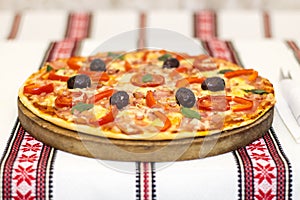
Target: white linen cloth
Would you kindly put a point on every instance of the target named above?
(291, 93)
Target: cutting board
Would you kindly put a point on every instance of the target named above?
(142, 150)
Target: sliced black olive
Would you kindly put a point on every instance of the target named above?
(185, 97)
(98, 65)
(213, 84)
(171, 63)
(79, 81)
(120, 99)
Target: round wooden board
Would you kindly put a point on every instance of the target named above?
(139, 150)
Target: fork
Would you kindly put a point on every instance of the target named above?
(283, 75)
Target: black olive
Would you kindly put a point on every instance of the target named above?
(171, 63)
(120, 99)
(79, 81)
(98, 65)
(213, 84)
(185, 97)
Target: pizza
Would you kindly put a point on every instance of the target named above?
(147, 95)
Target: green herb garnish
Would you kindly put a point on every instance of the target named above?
(257, 91)
(147, 78)
(49, 68)
(164, 57)
(190, 113)
(223, 71)
(116, 56)
(81, 107)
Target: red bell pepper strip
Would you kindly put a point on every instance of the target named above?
(38, 89)
(144, 58)
(221, 103)
(127, 66)
(96, 76)
(150, 100)
(101, 95)
(181, 69)
(253, 76)
(53, 76)
(189, 80)
(165, 119)
(236, 73)
(103, 77)
(75, 62)
(242, 104)
(109, 117)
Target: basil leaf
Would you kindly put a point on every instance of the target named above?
(164, 57)
(223, 71)
(257, 91)
(49, 68)
(115, 55)
(147, 78)
(81, 107)
(190, 113)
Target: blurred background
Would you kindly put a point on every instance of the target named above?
(148, 4)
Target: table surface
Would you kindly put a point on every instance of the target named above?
(259, 39)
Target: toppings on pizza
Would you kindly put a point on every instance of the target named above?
(120, 99)
(213, 84)
(147, 80)
(79, 81)
(185, 97)
(38, 88)
(171, 63)
(147, 94)
(98, 65)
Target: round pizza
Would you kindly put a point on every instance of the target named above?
(147, 95)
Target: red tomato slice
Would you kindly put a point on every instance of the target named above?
(63, 101)
(207, 66)
(38, 89)
(213, 103)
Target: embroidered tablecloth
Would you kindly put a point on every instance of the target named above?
(266, 169)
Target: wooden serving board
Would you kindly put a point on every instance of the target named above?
(139, 150)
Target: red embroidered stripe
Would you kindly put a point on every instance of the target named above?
(265, 170)
(145, 181)
(142, 32)
(27, 160)
(62, 49)
(267, 24)
(294, 47)
(221, 49)
(78, 25)
(205, 25)
(9, 158)
(15, 27)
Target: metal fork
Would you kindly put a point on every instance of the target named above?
(283, 75)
